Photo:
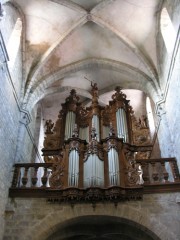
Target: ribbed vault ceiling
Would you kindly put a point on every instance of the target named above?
(70, 43)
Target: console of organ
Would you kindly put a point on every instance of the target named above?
(98, 145)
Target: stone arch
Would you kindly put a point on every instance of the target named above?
(145, 83)
(52, 222)
(103, 227)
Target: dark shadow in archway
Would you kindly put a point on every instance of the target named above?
(102, 228)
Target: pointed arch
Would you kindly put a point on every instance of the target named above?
(38, 90)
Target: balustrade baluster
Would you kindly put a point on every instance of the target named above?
(16, 177)
(145, 175)
(165, 173)
(175, 171)
(25, 177)
(155, 174)
(34, 178)
(44, 178)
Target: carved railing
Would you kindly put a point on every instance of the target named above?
(31, 175)
(159, 175)
(33, 180)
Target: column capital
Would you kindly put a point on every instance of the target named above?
(160, 109)
(25, 117)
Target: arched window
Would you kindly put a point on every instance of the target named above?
(150, 117)
(14, 42)
(167, 30)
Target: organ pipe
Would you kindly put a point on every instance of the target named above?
(73, 173)
(122, 130)
(70, 123)
(113, 166)
(93, 172)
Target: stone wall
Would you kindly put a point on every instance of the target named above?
(9, 123)
(10, 89)
(36, 219)
(14, 120)
(172, 104)
(169, 72)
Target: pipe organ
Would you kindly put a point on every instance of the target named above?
(96, 146)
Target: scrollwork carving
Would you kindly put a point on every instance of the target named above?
(56, 178)
(143, 155)
(133, 173)
(83, 117)
(50, 143)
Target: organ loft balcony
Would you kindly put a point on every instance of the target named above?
(93, 154)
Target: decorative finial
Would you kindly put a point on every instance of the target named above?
(72, 97)
(118, 89)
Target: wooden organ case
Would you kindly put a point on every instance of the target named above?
(93, 150)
